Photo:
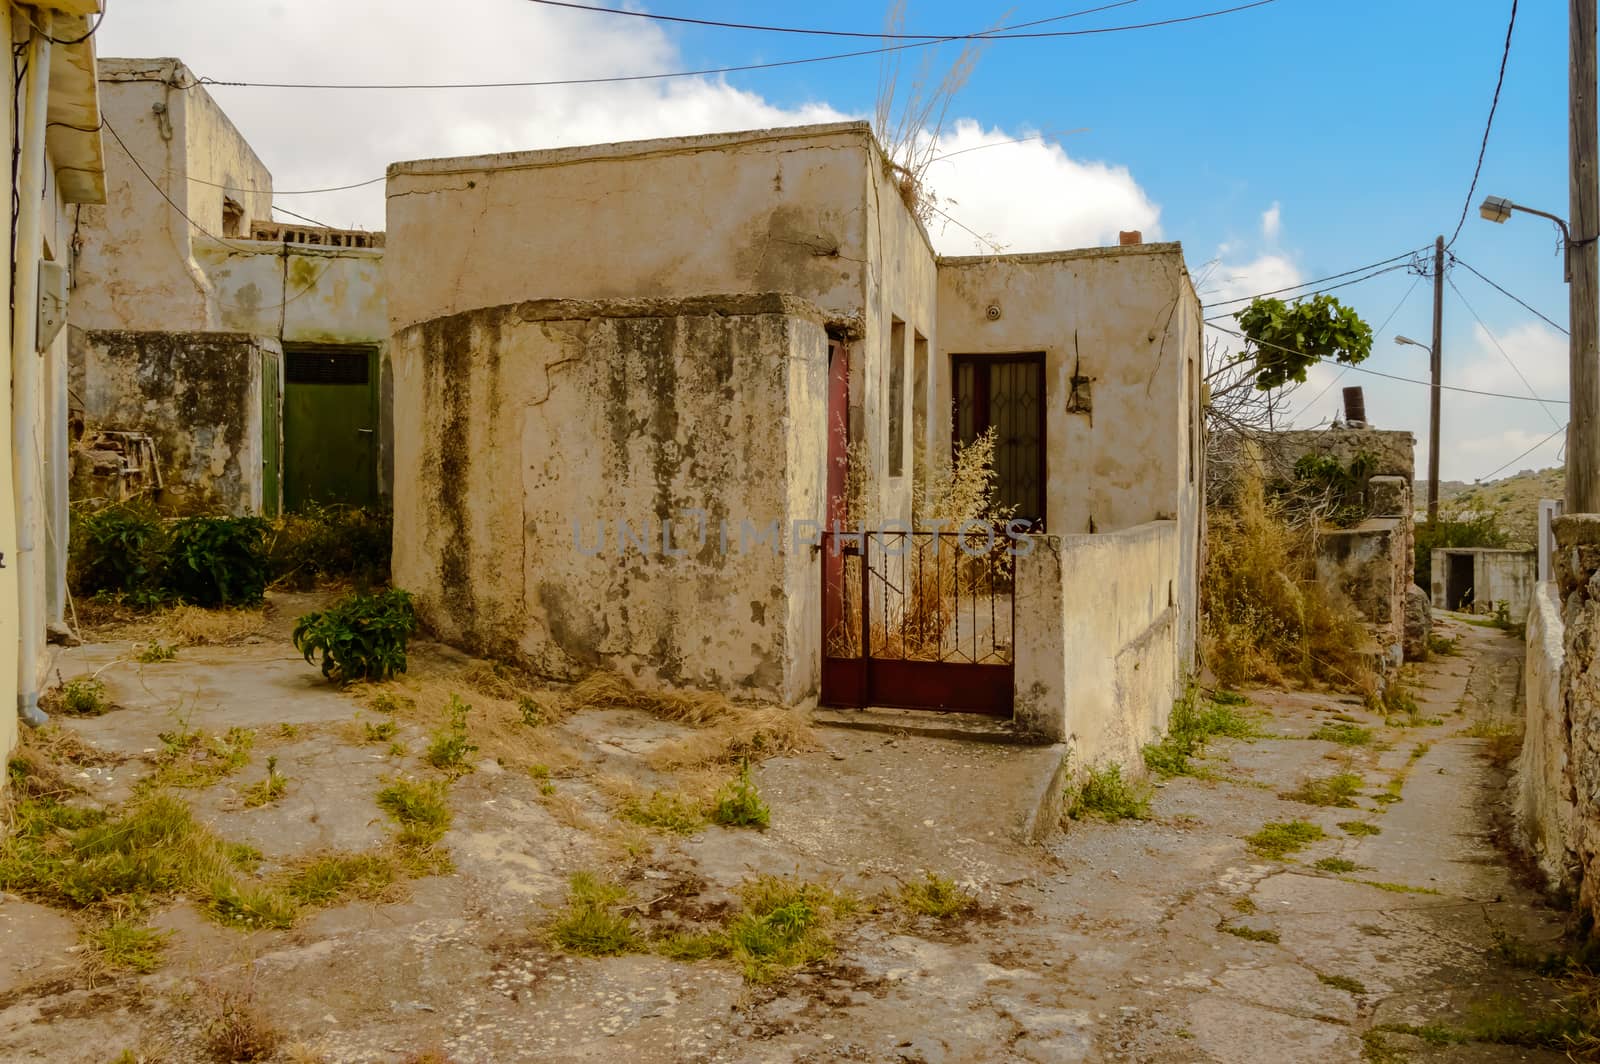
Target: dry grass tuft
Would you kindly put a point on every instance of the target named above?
(192, 626)
(755, 734)
(607, 690)
(236, 1025)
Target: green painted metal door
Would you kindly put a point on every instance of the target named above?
(271, 432)
(330, 424)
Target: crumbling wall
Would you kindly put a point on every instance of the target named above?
(616, 485)
(1098, 658)
(198, 394)
(1543, 789)
(1578, 565)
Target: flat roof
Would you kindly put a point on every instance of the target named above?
(624, 149)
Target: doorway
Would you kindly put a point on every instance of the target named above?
(1006, 393)
(330, 424)
(1459, 579)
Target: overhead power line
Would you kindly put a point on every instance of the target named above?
(1376, 332)
(1521, 456)
(987, 35)
(1544, 318)
(865, 34)
(1325, 288)
(1496, 341)
(1394, 377)
(1494, 105)
(1319, 280)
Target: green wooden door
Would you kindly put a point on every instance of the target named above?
(271, 432)
(330, 424)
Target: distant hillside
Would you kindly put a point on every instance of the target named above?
(1514, 499)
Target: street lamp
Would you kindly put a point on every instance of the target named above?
(1404, 340)
(1433, 423)
(1497, 209)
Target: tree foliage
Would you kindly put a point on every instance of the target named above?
(1287, 339)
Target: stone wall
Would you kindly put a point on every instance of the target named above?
(1543, 788)
(1578, 566)
(1371, 566)
(1098, 658)
(198, 394)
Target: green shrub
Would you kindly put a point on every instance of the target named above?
(360, 637)
(218, 561)
(332, 542)
(81, 696)
(1105, 795)
(119, 550)
(1191, 726)
(450, 746)
(739, 805)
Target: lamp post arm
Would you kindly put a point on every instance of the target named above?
(1566, 234)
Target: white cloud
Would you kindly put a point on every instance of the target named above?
(1029, 196)
(1271, 223)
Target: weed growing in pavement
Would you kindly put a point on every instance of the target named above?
(1190, 727)
(737, 804)
(935, 896)
(1279, 840)
(1338, 789)
(269, 790)
(450, 746)
(1105, 795)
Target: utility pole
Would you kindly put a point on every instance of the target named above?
(1434, 364)
(1583, 430)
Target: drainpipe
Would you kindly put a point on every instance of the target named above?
(26, 365)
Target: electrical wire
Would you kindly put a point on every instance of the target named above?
(878, 35)
(302, 217)
(1378, 331)
(288, 192)
(1521, 456)
(1391, 376)
(618, 78)
(109, 128)
(1324, 288)
(1496, 341)
(90, 32)
(1483, 148)
(1462, 262)
(1318, 280)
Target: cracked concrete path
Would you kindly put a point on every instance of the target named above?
(1113, 942)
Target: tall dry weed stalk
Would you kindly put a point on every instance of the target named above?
(910, 123)
(1266, 616)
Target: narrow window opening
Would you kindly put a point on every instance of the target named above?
(919, 405)
(232, 217)
(897, 398)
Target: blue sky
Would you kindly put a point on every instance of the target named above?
(1287, 142)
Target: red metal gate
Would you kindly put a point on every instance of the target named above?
(918, 620)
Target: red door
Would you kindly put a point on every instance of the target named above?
(843, 663)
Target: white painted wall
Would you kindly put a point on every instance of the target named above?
(1543, 787)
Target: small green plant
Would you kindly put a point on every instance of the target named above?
(195, 758)
(1249, 934)
(1244, 904)
(665, 811)
(1279, 840)
(360, 637)
(783, 925)
(593, 925)
(691, 946)
(1359, 828)
(1343, 734)
(156, 651)
(332, 877)
(382, 731)
(934, 895)
(218, 561)
(1395, 888)
(1191, 726)
(1336, 864)
(1342, 982)
(1105, 795)
(1338, 789)
(420, 809)
(82, 696)
(269, 790)
(739, 805)
(449, 748)
(1444, 646)
(125, 944)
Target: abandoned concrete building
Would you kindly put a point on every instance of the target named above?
(1372, 562)
(219, 358)
(651, 406)
(1485, 580)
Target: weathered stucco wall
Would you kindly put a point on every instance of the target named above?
(1498, 575)
(774, 211)
(1125, 323)
(1371, 566)
(197, 394)
(536, 422)
(136, 267)
(298, 292)
(1098, 661)
(1543, 788)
